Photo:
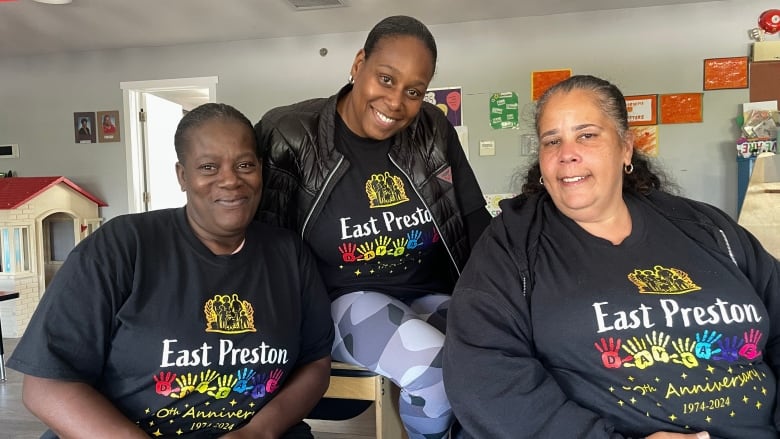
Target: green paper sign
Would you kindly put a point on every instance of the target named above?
(503, 110)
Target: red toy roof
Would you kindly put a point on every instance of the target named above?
(16, 191)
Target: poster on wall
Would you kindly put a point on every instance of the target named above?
(681, 108)
(449, 101)
(492, 201)
(542, 80)
(109, 126)
(463, 137)
(503, 110)
(642, 109)
(724, 73)
(646, 139)
(84, 127)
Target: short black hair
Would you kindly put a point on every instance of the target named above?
(401, 25)
(204, 113)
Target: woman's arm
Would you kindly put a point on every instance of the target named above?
(497, 386)
(763, 270)
(293, 402)
(75, 410)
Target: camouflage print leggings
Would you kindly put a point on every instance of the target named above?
(403, 342)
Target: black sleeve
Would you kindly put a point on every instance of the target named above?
(69, 334)
(763, 270)
(317, 329)
(476, 222)
(280, 183)
(497, 386)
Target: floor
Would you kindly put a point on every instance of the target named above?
(17, 423)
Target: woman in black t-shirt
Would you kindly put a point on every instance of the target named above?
(376, 181)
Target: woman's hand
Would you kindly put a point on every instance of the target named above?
(246, 433)
(665, 435)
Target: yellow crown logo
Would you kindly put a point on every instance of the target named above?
(385, 190)
(662, 280)
(229, 315)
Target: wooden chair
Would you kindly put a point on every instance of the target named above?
(348, 382)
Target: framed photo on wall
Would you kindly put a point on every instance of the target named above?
(84, 127)
(108, 131)
(642, 109)
(724, 73)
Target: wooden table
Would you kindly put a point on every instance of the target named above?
(4, 295)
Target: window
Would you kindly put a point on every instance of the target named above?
(15, 245)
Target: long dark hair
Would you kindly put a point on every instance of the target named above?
(644, 177)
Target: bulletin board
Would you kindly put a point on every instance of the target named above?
(681, 108)
(764, 83)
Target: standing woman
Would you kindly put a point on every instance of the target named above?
(599, 305)
(194, 322)
(375, 180)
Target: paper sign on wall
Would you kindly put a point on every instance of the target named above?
(449, 101)
(503, 110)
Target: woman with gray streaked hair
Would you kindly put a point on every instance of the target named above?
(599, 305)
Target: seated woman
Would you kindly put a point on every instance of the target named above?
(598, 305)
(375, 180)
(187, 322)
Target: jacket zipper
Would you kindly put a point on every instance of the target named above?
(728, 246)
(433, 218)
(319, 196)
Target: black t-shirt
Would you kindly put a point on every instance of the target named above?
(183, 342)
(655, 333)
(374, 232)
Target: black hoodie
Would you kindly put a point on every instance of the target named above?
(496, 384)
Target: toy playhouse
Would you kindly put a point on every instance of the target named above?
(41, 220)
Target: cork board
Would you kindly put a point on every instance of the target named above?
(765, 81)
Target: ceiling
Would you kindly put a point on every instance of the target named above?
(28, 27)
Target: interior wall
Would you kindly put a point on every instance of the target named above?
(644, 51)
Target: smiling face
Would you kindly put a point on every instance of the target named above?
(581, 156)
(220, 172)
(389, 87)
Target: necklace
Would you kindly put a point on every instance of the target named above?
(240, 246)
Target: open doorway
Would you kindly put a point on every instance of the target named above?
(152, 111)
(59, 238)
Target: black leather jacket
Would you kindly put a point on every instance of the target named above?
(301, 165)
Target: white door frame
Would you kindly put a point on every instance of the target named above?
(134, 154)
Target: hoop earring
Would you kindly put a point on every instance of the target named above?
(629, 168)
(541, 181)
(351, 80)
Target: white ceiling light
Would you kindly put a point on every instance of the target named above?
(301, 5)
(55, 2)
